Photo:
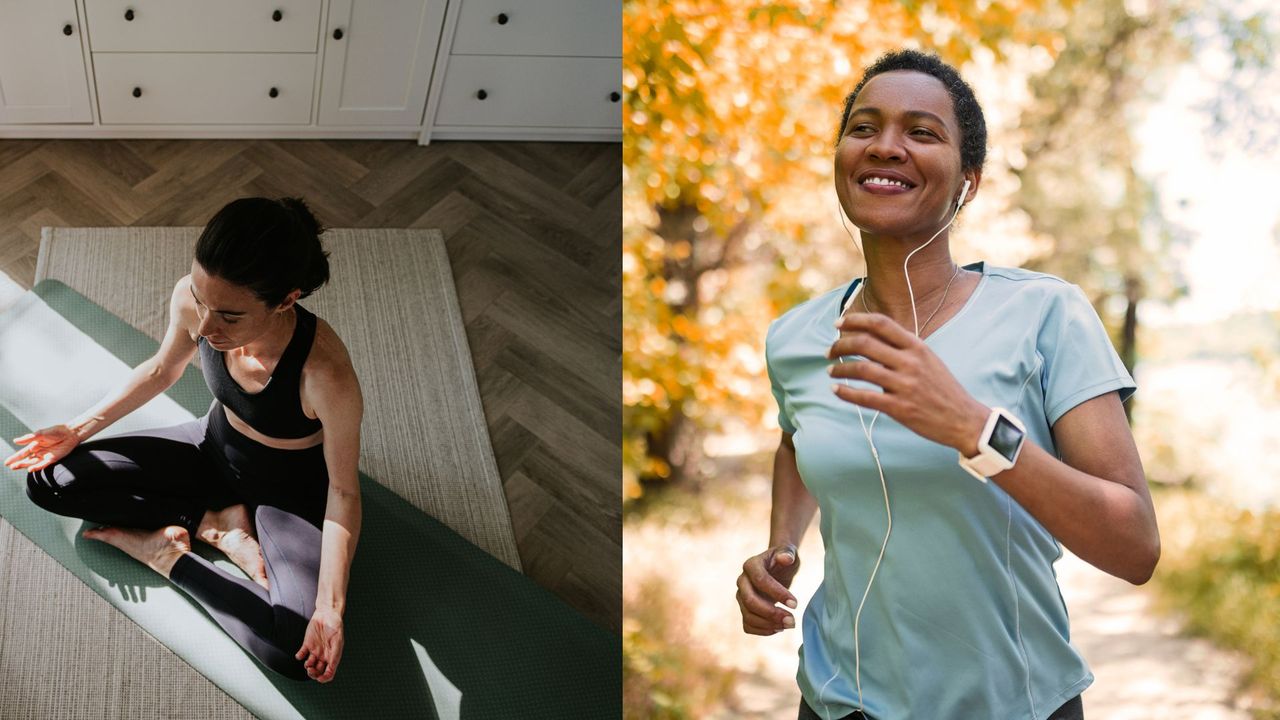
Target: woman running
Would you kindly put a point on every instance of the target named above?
(957, 426)
(268, 475)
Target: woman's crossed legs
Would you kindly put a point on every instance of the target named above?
(156, 489)
(270, 624)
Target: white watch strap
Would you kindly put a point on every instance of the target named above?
(988, 461)
(983, 466)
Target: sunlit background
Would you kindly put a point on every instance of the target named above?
(1134, 150)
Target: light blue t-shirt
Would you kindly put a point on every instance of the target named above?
(965, 618)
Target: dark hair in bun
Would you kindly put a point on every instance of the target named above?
(271, 247)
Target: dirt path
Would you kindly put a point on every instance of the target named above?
(1144, 670)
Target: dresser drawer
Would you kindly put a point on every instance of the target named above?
(531, 92)
(579, 28)
(204, 88)
(202, 25)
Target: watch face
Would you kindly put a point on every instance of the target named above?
(1005, 438)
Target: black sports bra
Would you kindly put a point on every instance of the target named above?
(276, 410)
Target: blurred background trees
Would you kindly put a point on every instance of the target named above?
(1078, 180)
(731, 110)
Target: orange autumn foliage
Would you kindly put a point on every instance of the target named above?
(730, 107)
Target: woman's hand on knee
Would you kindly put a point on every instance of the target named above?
(42, 448)
(762, 585)
(322, 645)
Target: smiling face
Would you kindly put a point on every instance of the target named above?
(231, 316)
(897, 165)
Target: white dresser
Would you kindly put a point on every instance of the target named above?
(544, 69)
(423, 69)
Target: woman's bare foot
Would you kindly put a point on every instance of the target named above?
(157, 549)
(231, 531)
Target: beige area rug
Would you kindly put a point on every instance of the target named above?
(65, 651)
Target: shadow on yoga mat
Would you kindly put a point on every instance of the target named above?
(435, 627)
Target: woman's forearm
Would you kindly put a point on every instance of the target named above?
(144, 383)
(1107, 524)
(338, 546)
(1094, 500)
(793, 505)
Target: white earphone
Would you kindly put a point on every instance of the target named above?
(867, 431)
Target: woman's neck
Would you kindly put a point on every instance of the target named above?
(272, 344)
(931, 270)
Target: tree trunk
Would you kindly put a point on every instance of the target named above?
(676, 445)
(1129, 333)
(689, 254)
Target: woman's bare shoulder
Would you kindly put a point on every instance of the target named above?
(329, 356)
(183, 307)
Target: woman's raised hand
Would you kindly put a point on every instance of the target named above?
(42, 448)
(762, 584)
(918, 389)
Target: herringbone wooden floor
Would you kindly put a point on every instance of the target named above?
(534, 237)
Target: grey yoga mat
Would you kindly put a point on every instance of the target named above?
(435, 627)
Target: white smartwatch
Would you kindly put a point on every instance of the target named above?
(998, 445)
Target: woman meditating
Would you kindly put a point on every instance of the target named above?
(268, 475)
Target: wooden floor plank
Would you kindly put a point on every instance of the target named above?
(423, 191)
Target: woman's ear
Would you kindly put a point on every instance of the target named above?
(289, 300)
(974, 178)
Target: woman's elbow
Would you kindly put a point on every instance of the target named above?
(1144, 536)
(1145, 568)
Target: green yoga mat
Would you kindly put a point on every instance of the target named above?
(435, 627)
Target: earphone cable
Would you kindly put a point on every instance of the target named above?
(867, 431)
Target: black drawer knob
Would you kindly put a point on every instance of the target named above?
(137, 92)
(66, 29)
(482, 94)
(337, 34)
(614, 97)
(276, 16)
(128, 14)
(274, 92)
(502, 18)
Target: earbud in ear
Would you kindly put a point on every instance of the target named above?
(963, 194)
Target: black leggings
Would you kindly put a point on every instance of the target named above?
(171, 476)
(1073, 709)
